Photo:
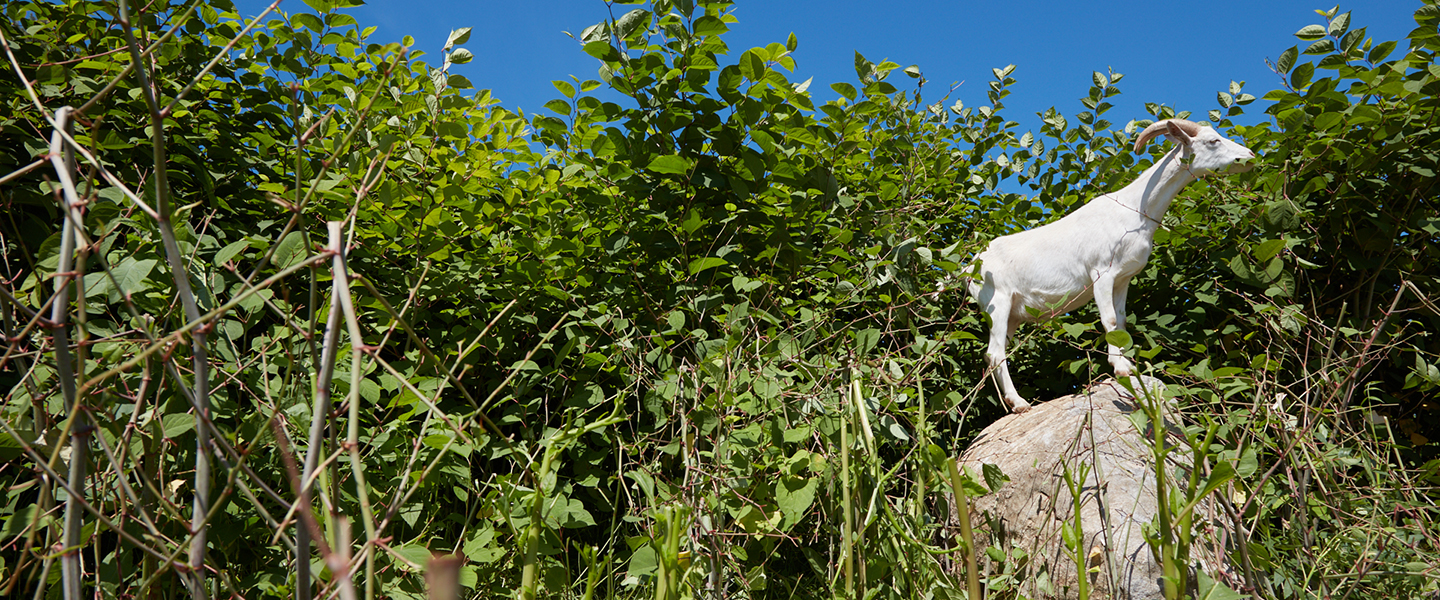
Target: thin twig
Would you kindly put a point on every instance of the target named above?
(319, 417)
(17, 173)
(199, 361)
(340, 279)
(59, 309)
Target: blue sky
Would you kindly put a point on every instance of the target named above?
(1171, 52)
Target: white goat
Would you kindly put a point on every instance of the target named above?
(1094, 251)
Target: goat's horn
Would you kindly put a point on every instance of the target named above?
(1190, 128)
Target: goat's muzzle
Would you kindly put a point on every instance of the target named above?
(1242, 163)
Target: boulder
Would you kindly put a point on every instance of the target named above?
(1092, 428)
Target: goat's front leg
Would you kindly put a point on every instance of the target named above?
(1110, 300)
(1001, 326)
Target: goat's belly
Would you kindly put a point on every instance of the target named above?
(1047, 303)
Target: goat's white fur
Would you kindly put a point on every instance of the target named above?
(1094, 251)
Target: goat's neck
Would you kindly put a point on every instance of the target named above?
(1150, 194)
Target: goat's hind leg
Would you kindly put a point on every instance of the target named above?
(1001, 326)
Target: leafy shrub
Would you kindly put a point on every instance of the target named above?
(622, 345)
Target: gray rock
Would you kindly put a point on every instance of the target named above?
(1117, 498)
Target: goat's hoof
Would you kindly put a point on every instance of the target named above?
(1018, 405)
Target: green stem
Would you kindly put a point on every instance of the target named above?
(967, 536)
(529, 570)
(847, 533)
(1169, 571)
(1077, 552)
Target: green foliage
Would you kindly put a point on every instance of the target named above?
(617, 346)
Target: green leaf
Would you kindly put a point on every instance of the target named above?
(693, 222)
(1067, 535)
(415, 557)
(289, 250)
(888, 190)
(844, 89)
(864, 69)
(671, 164)
(230, 251)
(559, 106)
(706, 262)
(1351, 41)
(644, 561)
(709, 25)
(1248, 463)
(176, 424)
(1118, 338)
(132, 274)
(309, 21)
(730, 80)
(1287, 59)
(461, 56)
(794, 495)
(1301, 76)
(600, 49)
(1268, 249)
(10, 448)
(633, 21)
(751, 65)
(972, 487)
(1099, 79)
(1340, 24)
(994, 478)
(1324, 46)
(1213, 590)
(866, 339)
(457, 36)
(894, 429)
(1382, 51)
(570, 513)
(1272, 269)
(744, 284)
(1311, 32)
(1222, 473)
(17, 523)
(564, 87)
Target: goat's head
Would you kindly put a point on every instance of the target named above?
(1205, 150)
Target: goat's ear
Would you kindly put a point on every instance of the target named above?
(1176, 134)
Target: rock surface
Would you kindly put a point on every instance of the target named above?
(1117, 498)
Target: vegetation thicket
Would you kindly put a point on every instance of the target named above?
(289, 311)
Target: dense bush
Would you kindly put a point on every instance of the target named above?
(686, 341)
